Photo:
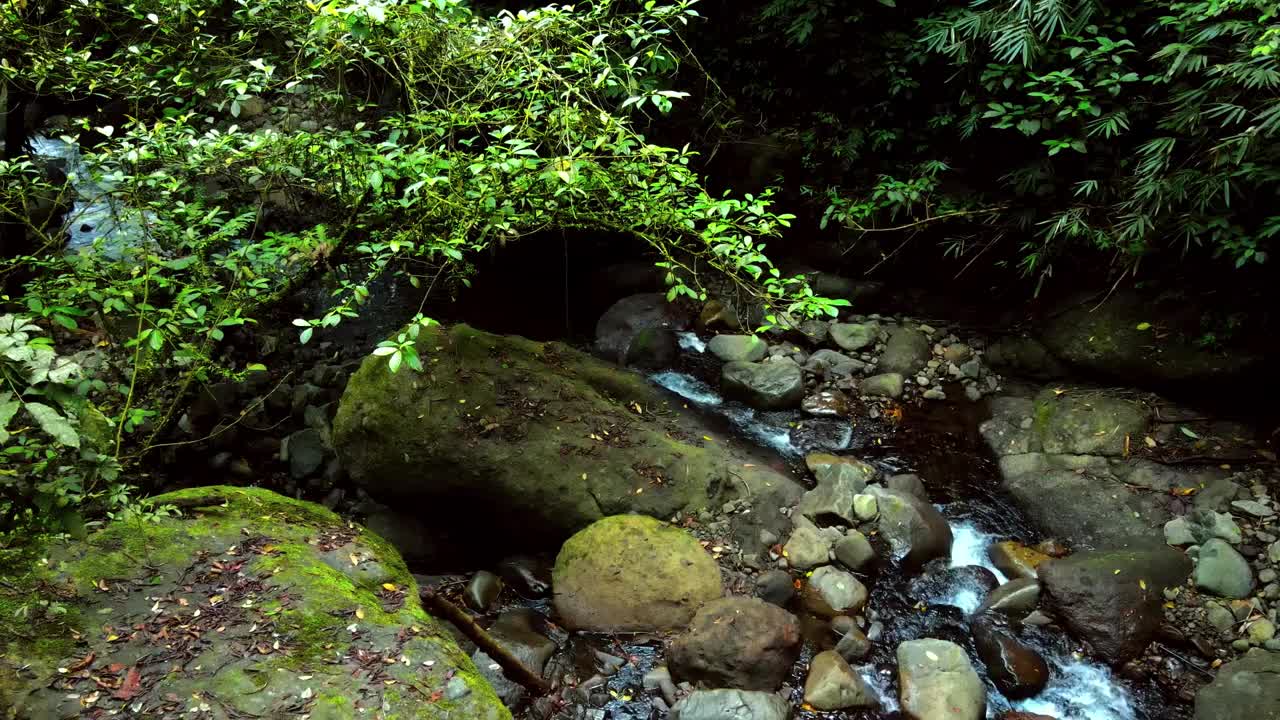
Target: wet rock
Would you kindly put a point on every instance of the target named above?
(815, 331)
(808, 547)
(514, 631)
(731, 705)
(1015, 599)
(774, 385)
(528, 576)
(909, 483)
(1253, 508)
(936, 681)
(830, 592)
(483, 589)
(1216, 495)
(1219, 617)
(1222, 571)
(827, 403)
(738, 348)
(852, 337)
(854, 551)
(1260, 631)
(832, 364)
(1112, 598)
(934, 394)
(939, 584)
(916, 531)
(775, 586)
(632, 573)
(1247, 689)
(906, 352)
(833, 685)
(831, 501)
(647, 314)
(1014, 559)
(883, 385)
(853, 645)
(821, 435)
(1015, 667)
(659, 679)
(652, 349)
(742, 643)
(1025, 716)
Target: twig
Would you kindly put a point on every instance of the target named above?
(511, 666)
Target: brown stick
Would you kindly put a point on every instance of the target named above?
(515, 670)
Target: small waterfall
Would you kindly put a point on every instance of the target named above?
(95, 214)
(774, 437)
(691, 341)
(881, 686)
(688, 387)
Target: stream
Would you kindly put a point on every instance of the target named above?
(940, 442)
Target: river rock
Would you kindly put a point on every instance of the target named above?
(831, 501)
(632, 573)
(827, 403)
(865, 507)
(832, 364)
(639, 330)
(1253, 507)
(1223, 571)
(906, 352)
(285, 597)
(808, 547)
(738, 348)
(306, 451)
(854, 551)
(483, 589)
(1200, 526)
(852, 337)
(1084, 422)
(774, 385)
(833, 685)
(1112, 598)
(909, 483)
(936, 681)
(1246, 689)
(853, 645)
(830, 592)
(508, 427)
(1014, 559)
(883, 385)
(1015, 599)
(742, 643)
(514, 631)
(775, 586)
(916, 531)
(1015, 667)
(731, 705)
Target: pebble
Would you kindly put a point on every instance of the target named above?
(935, 394)
(865, 507)
(1219, 617)
(1273, 645)
(1267, 576)
(775, 587)
(1273, 553)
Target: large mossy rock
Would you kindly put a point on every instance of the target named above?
(632, 573)
(248, 605)
(1118, 338)
(504, 427)
(1112, 598)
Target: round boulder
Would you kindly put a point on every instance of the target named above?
(632, 573)
(831, 591)
(1016, 668)
(915, 529)
(738, 348)
(737, 642)
(936, 681)
(907, 351)
(833, 685)
(774, 385)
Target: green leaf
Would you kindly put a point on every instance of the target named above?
(1188, 432)
(53, 423)
(375, 180)
(305, 336)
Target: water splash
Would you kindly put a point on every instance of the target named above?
(774, 437)
(691, 341)
(969, 547)
(881, 686)
(1080, 690)
(688, 387)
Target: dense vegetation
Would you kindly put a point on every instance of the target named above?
(243, 149)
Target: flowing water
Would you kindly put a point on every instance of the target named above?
(939, 442)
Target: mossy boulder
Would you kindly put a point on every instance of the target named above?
(247, 605)
(1084, 422)
(501, 426)
(632, 573)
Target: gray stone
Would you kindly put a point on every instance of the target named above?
(807, 548)
(731, 705)
(775, 586)
(1218, 617)
(306, 451)
(833, 364)
(514, 631)
(915, 530)
(853, 645)
(1223, 571)
(1273, 552)
(1015, 599)
(1247, 689)
(833, 497)
(1254, 508)
(883, 385)
(483, 589)
(854, 551)
(834, 592)
(1088, 422)
(853, 337)
(1260, 631)
(774, 385)
(936, 681)
(737, 642)
(1216, 495)
(634, 322)
(833, 685)
(816, 331)
(1178, 532)
(738, 348)
(934, 394)
(909, 483)
(865, 507)
(906, 352)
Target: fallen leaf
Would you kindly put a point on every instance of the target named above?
(390, 587)
(360, 611)
(131, 686)
(83, 663)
